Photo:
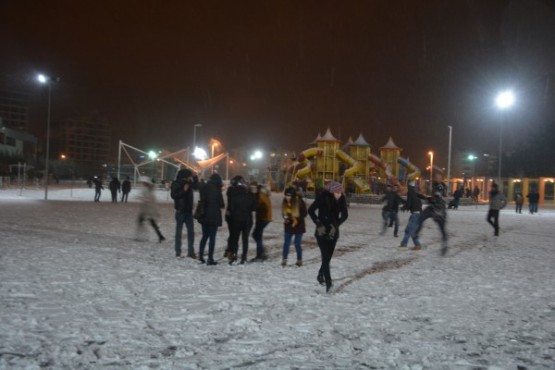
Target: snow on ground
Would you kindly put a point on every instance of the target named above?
(77, 291)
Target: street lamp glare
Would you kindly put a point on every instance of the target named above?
(505, 99)
(42, 78)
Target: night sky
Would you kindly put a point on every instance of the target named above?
(273, 74)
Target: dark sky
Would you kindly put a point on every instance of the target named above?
(276, 73)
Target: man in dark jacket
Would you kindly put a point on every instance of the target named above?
(115, 188)
(414, 206)
(182, 194)
(125, 189)
(390, 211)
(435, 210)
(240, 209)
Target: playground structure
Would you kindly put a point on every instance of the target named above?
(356, 167)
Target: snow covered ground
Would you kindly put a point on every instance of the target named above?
(77, 291)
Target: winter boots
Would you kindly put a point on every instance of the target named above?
(299, 263)
(320, 278)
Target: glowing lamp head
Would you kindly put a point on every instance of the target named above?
(42, 78)
(505, 99)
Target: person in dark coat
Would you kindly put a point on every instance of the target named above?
(293, 210)
(496, 203)
(97, 188)
(390, 211)
(435, 210)
(414, 206)
(241, 206)
(533, 200)
(519, 201)
(328, 212)
(125, 189)
(457, 195)
(115, 188)
(233, 189)
(182, 189)
(212, 203)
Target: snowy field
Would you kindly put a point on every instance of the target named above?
(78, 292)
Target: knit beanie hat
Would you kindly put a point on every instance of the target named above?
(334, 187)
(290, 191)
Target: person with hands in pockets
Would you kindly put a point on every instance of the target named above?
(328, 211)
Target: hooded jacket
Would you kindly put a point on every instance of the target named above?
(182, 191)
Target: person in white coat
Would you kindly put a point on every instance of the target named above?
(148, 211)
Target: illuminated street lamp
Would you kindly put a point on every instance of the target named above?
(504, 100)
(45, 80)
(214, 144)
(431, 154)
(473, 158)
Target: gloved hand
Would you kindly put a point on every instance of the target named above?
(320, 229)
(331, 232)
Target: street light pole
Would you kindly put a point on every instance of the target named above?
(46, 80)
(431, 154)
(449, 161)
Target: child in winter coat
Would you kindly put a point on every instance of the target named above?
(293, 210)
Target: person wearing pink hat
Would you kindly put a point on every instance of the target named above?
(328, 211)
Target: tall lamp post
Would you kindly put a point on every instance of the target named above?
(45, 80)
(504, 100)
(449, 161)
(431, 154)
(213, 144)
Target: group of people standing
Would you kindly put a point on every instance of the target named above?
(249, 205)
(115, 187)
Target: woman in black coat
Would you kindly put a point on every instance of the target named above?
(212, 203)
(328, 212)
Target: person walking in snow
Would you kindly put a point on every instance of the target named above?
(533, 200)
(328, 212)
(390, 211)
(263, 216)
(212, 203)
(125, 189)
(414, 206)
(115, 188)
(435, 210)
(519, 201)
(293, 210)
(97, 188)
(496, 203)
(182, 193)
(148, 211)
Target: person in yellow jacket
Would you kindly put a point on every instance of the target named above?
(293, 210)
(263, 212)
